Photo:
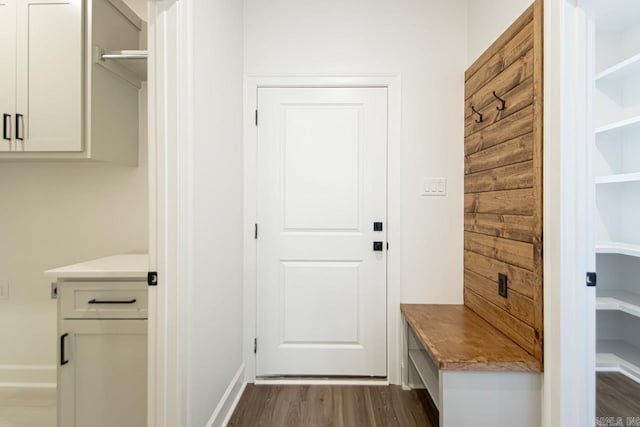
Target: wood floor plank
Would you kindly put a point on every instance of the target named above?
(340, 406)
(617, 396)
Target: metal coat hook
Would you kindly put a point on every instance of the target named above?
(504, 103)
(478, 113)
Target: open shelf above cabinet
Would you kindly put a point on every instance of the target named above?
(618, 248)
(618, 178)
(130, 64)
(624, 301)
(123, 54)
(619, 356)
(626, 124)
(628, 67)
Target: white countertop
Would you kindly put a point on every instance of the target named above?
(116, 266)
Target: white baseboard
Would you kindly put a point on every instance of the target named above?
(37, 376)
(320, 381)
(222, 414)
(607, 362)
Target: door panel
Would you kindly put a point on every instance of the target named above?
(7, 71)
(321, 167)
(50, 73)
(318, 302)
(321, 185)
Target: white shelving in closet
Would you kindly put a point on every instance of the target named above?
(617, 177)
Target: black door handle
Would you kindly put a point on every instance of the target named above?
(377, 246)
(63, 359)
(19, 120)
(95, 301)
(6, 127)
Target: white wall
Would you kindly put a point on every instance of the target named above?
(487, 19)
(424, 41)
(139, 7)
(213, 207)
(53, 214)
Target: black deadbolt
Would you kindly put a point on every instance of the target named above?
(377, 246)
(377, 226)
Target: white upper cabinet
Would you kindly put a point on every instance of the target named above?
(58, 98)
(49, 76)
(7, 72)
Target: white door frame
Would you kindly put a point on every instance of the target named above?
(168, 107)
(568, 342)
(569, 337)
(393, 84)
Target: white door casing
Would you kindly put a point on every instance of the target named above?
(7, 72)
(322, 172)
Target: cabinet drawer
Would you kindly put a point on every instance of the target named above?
(103, 300)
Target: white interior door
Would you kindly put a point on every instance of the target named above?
(7, 72)
(49, 78)
(322, 184)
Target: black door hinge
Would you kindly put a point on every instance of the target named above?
(255, 232)
(152, 278)
(592, 279)
(255, 345)
(256, 117)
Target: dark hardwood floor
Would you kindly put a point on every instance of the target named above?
(319, 405)
(617, 396)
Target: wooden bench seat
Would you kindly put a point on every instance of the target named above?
(457, 339)
(474, 375)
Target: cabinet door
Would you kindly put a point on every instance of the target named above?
(49, 75)
(7, 72)
(104, 380)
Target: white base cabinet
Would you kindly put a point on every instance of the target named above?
(102, 353)
(103, 381)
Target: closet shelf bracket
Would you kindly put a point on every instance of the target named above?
(130, 65)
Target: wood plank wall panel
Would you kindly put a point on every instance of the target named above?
(512, 202)
(503, 183)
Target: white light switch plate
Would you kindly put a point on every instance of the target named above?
(434, 186)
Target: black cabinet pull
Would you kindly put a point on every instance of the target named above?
(6, 127)
(19, 121)
(95, 301)
(63, 359)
